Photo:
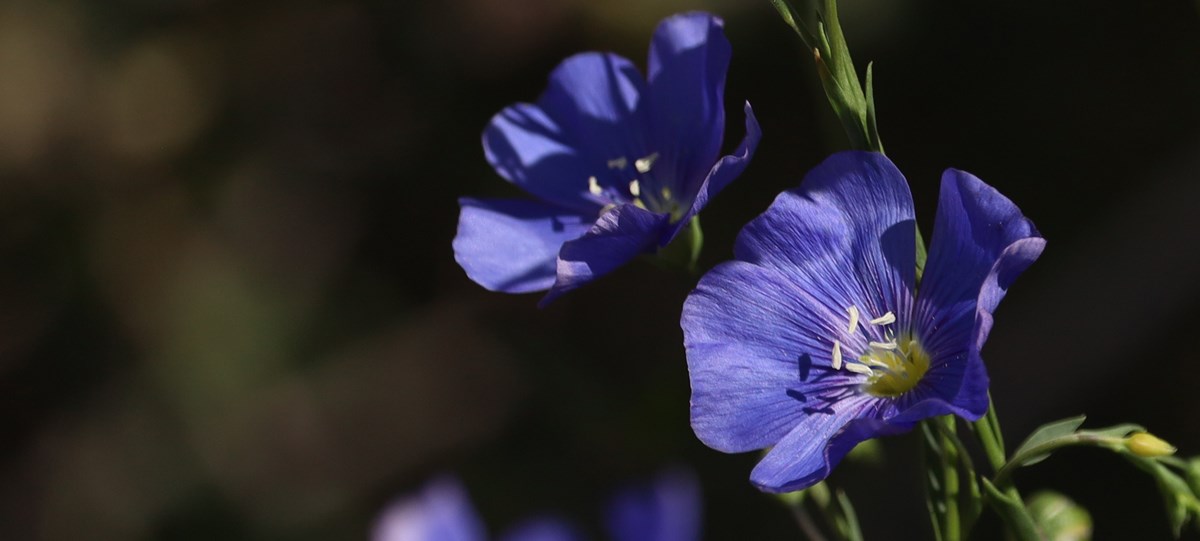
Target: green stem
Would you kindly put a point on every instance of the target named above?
(950, 456)
(805, 521)
(987, 428)
(973, 503)
(1110, 442)
(853, 532)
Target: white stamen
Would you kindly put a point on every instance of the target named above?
(618, 163)
(886, 319)
(837, 355)
(643, 165)
(858, 368)
(853, 318)
(871, 361)
(890, 345)
(594, 186)
(634, 189)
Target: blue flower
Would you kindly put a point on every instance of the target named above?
(666, 510)
(817, 337)
(619, 164)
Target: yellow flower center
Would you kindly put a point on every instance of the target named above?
(893, 366)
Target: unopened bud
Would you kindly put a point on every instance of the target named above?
(1148, 445)
(1059, 518)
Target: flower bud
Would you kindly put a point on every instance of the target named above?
(1059, 518)
(1148, 445)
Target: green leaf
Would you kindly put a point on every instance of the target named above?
(1023, 456)
(872, 126)
(1115, 431)
(1012, 512)
(791, 18)
(844, 66)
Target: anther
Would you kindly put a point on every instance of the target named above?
(837, 355)
(886, 319)
(618, 163)
(871, 361)
(859, 368)
(889, 345)
(634, 189)
(643, 165)
(594, 186)
(853, 318)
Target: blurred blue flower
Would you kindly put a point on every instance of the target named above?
(619, 164)
(439, 512)
(668, 509)
(817, 338)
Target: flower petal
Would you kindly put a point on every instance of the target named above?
(725, 170)
(689, 57)
(759, 354)
(529, 149)
(597, 100)
(810, 451)
(847, 235)
(589, 114)
(618, 236)
(594, 89)
(441, 512)
(512, 245)
(981, 243)
(543, 529)
(667, 510)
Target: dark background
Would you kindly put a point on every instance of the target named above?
(229, 308)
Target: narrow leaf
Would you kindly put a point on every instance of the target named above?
(1116, 431)
(872, 127)
(1043, 434)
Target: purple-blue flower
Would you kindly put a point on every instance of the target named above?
(619, 164)
(818, 337)
(668, 509)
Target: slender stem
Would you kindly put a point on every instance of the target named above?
(992, 440)
(950, 519)
(1005, 472)
(1173, 461)
(988, 430)
(930, 454)
(805, 521)
(853, 532)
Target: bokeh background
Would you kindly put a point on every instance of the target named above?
(229, 308)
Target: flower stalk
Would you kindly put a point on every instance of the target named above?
(853, 102)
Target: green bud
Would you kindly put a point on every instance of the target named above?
(1148, 445)
(1060, 518)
